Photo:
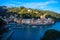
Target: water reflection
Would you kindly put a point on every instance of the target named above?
(31, 32)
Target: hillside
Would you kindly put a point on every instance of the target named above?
(27, 12)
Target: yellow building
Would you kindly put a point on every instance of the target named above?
(42, 16)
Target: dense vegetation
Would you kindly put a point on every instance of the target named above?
(51, 35)
(27, 12)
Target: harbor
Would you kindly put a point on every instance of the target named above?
(32, 21)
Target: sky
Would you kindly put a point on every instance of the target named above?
(52, 5)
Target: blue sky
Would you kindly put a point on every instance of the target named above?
(52, 5)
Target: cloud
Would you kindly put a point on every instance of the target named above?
(30, 4)
(12, 4)
(46, 5)
(38, 4)
(35, 5)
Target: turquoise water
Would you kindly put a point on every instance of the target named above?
(31, 33)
